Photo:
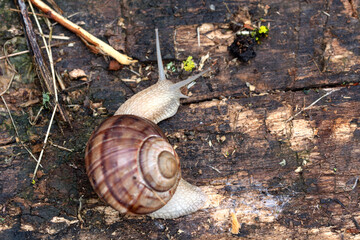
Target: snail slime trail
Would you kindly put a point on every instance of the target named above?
(131, 164)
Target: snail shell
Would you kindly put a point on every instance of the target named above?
(131, 165)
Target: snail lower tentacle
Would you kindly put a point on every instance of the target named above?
(131, 164)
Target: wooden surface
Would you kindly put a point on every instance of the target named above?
(284, 177)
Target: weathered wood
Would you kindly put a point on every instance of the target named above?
(294, 179)
(319, 50)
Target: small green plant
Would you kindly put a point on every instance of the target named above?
(171, 66)
(46, 99)
(306, 91)
(189, 64)
(263, 30)
(259, 33)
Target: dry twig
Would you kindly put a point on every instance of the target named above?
(27, 51)
(60, 147)
(8, 86)
(95, 44)
(45, 142)
(312, 104)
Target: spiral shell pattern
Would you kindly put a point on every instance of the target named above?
(131, 165)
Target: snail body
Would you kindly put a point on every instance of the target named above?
(131, 164)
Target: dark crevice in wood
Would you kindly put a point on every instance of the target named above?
(315, 87)
(220, 96)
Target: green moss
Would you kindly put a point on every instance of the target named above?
(189, 64)
(22, 63)
(9, 20)
(259, 33)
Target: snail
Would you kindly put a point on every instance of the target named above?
(131, 164)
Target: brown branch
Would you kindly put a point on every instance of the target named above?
(43, 71)
(92, 42)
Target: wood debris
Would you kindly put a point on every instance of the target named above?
(235, 225)
(78, 74)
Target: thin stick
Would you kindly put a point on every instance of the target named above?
(60, 81)
(198, 36)
(18, 11)
(227, 8)
(32, 123)
(312, 104)
(94, 43)
(8, 86)
(45, 142)
(27, 51)
(55, 6)
(51, 60)
(76, 86)
(134, 72)
(60, 147)
(7, 58)
(214, 168)
(317, 66)
(57, 37)
(356, 182)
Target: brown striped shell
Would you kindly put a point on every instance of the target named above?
(131, 165)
